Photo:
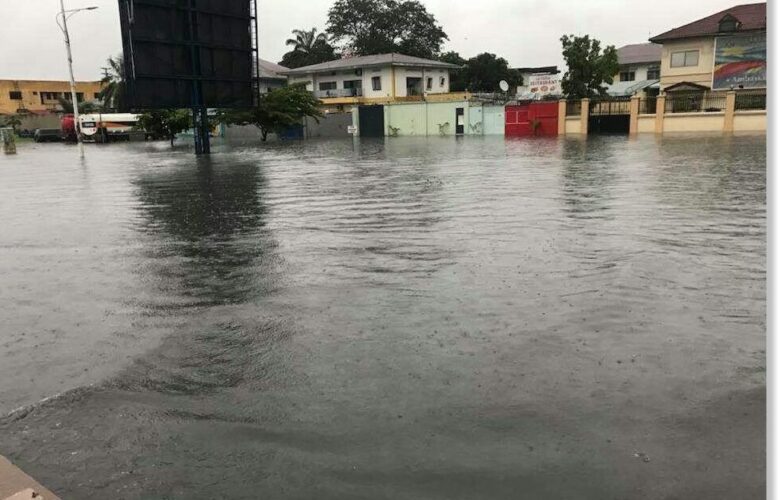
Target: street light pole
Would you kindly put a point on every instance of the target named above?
(74, 100)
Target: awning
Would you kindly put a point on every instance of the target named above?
(622, 89)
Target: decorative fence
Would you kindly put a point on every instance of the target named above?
(610, 106)
(750, 100)
(696, 103)
(647, 105)
(573, 108)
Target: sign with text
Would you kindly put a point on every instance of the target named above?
(544, 84)
(740, 61)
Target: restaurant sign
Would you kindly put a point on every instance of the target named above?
(544, 84)
(740, 62)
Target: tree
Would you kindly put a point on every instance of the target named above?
(84, 106)
(305, 40)
(589, 67)
(276, 111)
(457, 77)
(114, 93)
(484, 72)
(310, 48)
(366, 27)
(165, 123)
(12, 121)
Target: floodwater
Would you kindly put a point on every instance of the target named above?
(421, 318)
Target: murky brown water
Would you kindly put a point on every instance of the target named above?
(416, 318)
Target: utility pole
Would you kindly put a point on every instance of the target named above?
(74, 100)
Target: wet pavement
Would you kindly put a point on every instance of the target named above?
(416, 318)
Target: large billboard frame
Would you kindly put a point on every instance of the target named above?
(196, 55)
(716, 53)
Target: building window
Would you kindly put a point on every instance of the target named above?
(429, 84)
(654, 73)
(327, 85)
(97, 95)
(353, 84)
(627, 76)
(16, 95)
(442, 81)
(728, 23)
(685, 58)
(376, 83)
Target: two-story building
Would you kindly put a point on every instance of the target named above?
(375, 79)
(724, 51)
(270, 75)
(639, 72)
(41, 96)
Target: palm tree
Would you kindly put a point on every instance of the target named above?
(305, 40)
(113, 93)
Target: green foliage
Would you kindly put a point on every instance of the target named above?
(276, 111)
(84, 106)
(484, 72)
(114, 93)
(457, 77)
(309, 47)
(589, 67)
(12, 121)
(165, 124)
(366, 27)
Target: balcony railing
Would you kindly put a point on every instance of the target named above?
(329, 94)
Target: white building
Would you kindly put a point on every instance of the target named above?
(373, 79)
(270, 75)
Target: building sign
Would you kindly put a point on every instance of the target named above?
(740, 61)
(544, 84)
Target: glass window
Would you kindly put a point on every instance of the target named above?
(685, 58)
(627, 76)
(376, 83)
(654, 73)
(327, 85)
(442, 81)
(429, 84)
(15, 95)
(353, 84)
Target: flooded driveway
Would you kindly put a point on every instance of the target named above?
(421, 318)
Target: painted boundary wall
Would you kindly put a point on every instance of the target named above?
(728, 121)
(439, 118)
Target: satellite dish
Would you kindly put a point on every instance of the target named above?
(504, 85)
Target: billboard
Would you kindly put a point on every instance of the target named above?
(189, 53)
(740, 61)
(544, 84)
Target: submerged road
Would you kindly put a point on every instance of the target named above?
(417, 318)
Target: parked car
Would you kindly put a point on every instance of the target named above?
(47, 135)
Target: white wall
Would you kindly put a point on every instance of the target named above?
(385, 73)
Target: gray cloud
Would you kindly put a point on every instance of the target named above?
(525, 32)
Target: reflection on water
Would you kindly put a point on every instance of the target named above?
(410, 318)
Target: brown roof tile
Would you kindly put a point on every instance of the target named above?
(751, 16)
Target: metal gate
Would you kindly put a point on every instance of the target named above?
(610, 115)
(372, 121)
(532, 119)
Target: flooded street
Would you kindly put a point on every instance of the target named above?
(413, 318)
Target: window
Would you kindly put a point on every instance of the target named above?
(627, 76)
(376, 82)
(429, 84)
(327, 85)
(654, 73)
(728, 23)
(353, 84)
(442, 81)
(15, 95)
(97, 95)
(685, 58)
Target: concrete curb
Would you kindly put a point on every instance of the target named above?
(16, 485)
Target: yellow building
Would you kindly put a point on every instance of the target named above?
(37, 96)
(694, 57)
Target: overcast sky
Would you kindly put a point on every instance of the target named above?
(525, 32)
